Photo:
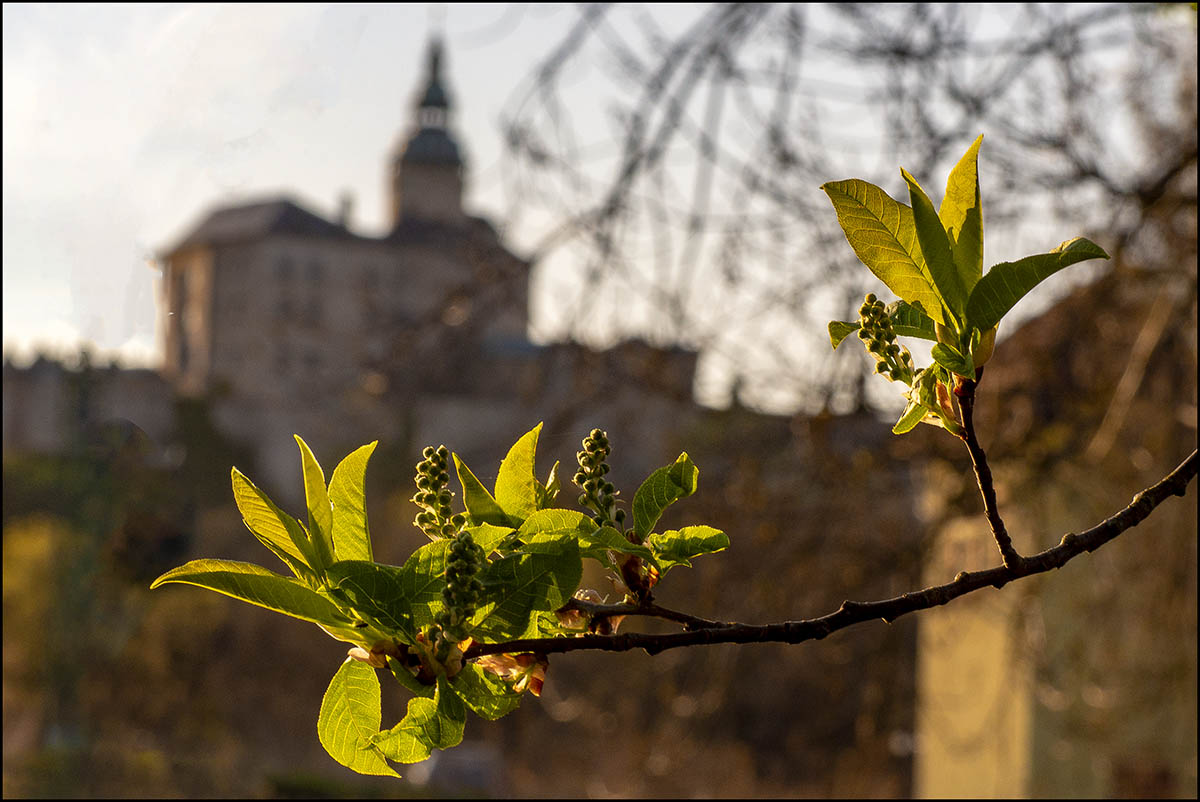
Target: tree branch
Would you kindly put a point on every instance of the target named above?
(1173, 484)
(983, 475)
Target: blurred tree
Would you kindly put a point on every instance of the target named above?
(695, 217)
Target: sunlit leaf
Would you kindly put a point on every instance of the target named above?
(320, 513)
(516, 483)
(662, 489)
(376, 592)
(961, 214)
(349, 718)
(678, 547)
(883, 234)
(481, 507)
(948, 357)
(484, 694)
(256, 585)
(275, 529)
(347, 493)
(935, 247)
(1008, 282)
(429, 724)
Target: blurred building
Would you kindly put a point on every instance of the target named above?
(285, 322)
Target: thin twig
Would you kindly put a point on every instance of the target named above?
(1173, 484)
(965, 392)
(647, 609)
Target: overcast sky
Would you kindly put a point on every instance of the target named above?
(124, 125)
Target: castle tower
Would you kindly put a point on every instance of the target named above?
(427, 171)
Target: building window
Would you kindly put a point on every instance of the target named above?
(314, 272)
(284, 270)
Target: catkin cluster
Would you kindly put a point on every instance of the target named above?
(892, 360)
(461, 594)
(598, 495)
(433, 495)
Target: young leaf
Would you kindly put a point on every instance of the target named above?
(1008, 282)
(479, 502)
(347, 492)
(518, 585)
(910, 321)
(913, 414)
(430, 724)
(547, 493)
(350, 716)
(377, 592)
(516, 483)
(840, 330)
(907, 320)
(598, 543)
(961, 214)
(883, 235)
(488, 537)
(256, 585)
(422, 579)
(948, 357)
(935, 247)
(486, 695)
(678, 547)
(320, 513)
(555, 522)
(275, 529)
(662, 489)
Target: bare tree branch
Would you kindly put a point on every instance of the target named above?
(1174, 483)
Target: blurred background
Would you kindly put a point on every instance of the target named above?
(445, 223)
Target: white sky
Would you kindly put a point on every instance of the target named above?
(123, 125)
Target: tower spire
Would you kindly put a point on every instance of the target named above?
(427, 172)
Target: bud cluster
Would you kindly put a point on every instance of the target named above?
(461, 594)
(892, 360)
(433, 495)
(598, 494)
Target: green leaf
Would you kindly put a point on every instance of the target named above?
(555, 522)
(422, 579)
(912, 415)
(910, 321)
(408, 680)
(488, 537)
(518, 585)
(275, 529)
(516, 483)
(935, 247)
(1008, 282)
(376, 592)
(347, 492)
(256, 585)
(547, 493)
(481, 507)
(349, 718)
(840, 330)
(320, 512)
(484, 693)
(948, 357)
(678, 547)
(883, 234)
(662, 489)
(961, 214)
(598, 543)
(430, 724)
(907, 320)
